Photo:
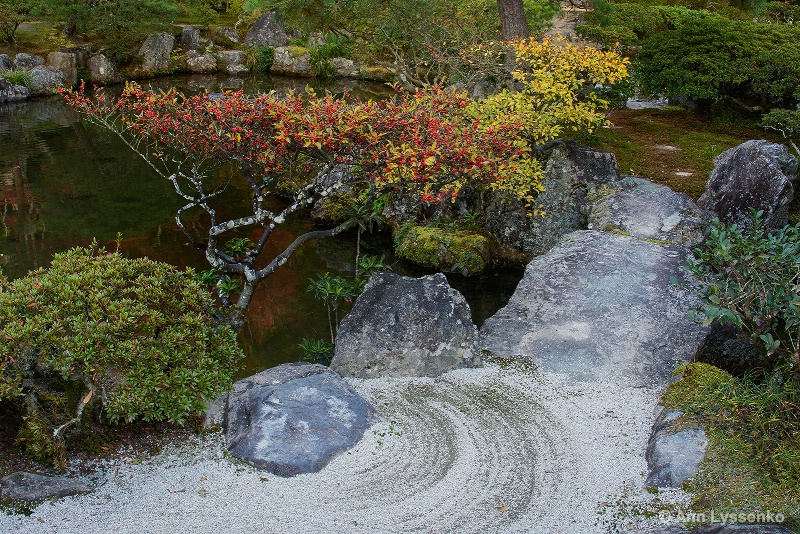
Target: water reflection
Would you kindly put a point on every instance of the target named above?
(64, 183)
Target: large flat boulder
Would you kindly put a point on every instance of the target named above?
(402, 326)
(294, 418)
(600, 306)
(650, 211)
(756, 175)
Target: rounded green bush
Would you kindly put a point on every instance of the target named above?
(133, 335)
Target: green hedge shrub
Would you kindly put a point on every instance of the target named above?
(751, 279)
(132, 337)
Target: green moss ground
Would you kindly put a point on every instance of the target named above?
(753, 459)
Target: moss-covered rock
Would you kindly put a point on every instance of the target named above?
(443, 248)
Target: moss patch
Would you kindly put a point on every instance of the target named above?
(440, 248)
(753, 459)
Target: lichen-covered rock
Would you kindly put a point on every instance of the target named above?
(6, 63)
(233, 61)
(45, 80)
(200, 63)
(22, 486)
(754, 175)
(345, 68)
(294, 418)
(67, 63)
(156, 52)
(674, 453)
(229, 33)
(267, 31)
(12, 93)
(650, 211)
(443, 249)
(190, 38)
(103, 71)
(24, 61)
(601, 306)
(292, 61)
(402, 326)
(571, 172)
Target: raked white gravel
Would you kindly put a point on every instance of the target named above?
(475, 450)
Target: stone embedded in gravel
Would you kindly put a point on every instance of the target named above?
(22, 486)
(403, 326)
(674, 454)
(651, 211)
(601, 306)
(295, 418)
(755, 174)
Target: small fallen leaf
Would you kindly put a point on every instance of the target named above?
(502, 508)
(202, 492)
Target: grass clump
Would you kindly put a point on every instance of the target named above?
(17, 77)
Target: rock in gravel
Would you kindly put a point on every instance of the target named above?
(294, 418)
(403, 326)
(22, 486)
(674, 453)
(650, 211)
(757, 174)
(600, 306)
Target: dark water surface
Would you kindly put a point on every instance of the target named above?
(64, 182)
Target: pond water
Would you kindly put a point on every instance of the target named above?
(64, 183)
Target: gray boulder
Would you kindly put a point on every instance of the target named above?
(601, 306)
(22, 486)
(6, 63)
(67, 63)
(345, 68)
(103, 71)
(12, 93)
(156, 52)
(232, 61)
(571, 173)
(200, 63)
(291, 61)
(190, 38)
(229, 33)
(673, 454)
(81, 53)
(294, 418)
(45, 80)
(755, 174)
(267, 31)
(24, 61)
(650, 211)
(402, 326)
